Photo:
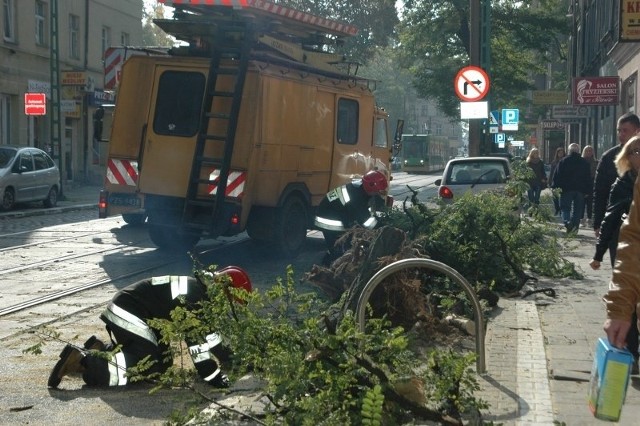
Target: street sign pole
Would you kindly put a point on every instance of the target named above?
(479, 55)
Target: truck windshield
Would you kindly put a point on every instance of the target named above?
(178, 104)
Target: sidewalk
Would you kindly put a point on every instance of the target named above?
(76, 196)
(539, 350)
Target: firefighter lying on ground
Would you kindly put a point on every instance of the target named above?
(126, 321)
(347, 206)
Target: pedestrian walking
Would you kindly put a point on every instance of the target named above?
(559, 155)
(572, 176)
(133, 340)
(539, 180)
(628, 165)
(589, 155)
(627, 126)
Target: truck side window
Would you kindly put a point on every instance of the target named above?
(348, 111)
(178, 104)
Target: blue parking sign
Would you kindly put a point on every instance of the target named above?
(510, 119)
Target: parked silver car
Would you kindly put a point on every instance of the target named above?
(27, 174)
(472, 174)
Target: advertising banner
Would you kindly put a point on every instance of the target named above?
(629, 21)
(596, 91)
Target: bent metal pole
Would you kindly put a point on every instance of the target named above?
(399, 265)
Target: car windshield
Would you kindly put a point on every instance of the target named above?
(474, 172)
(6, 155)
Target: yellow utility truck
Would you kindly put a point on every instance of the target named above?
(245, 126)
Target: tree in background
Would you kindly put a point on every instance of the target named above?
(525, 36)
(376, 21)
(152, 35)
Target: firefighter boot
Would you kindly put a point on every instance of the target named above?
(70, 361)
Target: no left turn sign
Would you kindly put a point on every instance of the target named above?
(471, 84)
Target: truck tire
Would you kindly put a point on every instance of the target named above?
(290, 230)
(170, 238)
(134, 218)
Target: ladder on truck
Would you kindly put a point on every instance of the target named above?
(229, 57)
(237, 31)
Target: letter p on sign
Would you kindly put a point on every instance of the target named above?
(510, 119)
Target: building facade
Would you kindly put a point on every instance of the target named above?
(85, 29)
(424, 117)
(604, 43)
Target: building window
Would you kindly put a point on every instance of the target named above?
(438, 129)
(8, 10)
(41, 23)
(124, 39)
(106, 38)
(74, 36)
(5, 119)
(629, 94)
(348, 121)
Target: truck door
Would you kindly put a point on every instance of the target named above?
(381, 146)
(173, 124)
(348, 156)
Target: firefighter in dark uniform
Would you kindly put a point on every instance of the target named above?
(126, 321)
(349, 205)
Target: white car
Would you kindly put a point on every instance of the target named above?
(27, 174)
(472, 174)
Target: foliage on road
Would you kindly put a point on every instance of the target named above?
(317, 373)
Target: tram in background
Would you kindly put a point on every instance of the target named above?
(424, 153)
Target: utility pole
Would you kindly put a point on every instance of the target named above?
(475, 126)
(479, 55)
(54, 81)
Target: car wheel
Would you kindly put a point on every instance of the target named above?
(52, 198)
(8, 199)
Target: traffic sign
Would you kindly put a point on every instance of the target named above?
(494, 125)
(510, 119)
(35, 104)
(471, 84)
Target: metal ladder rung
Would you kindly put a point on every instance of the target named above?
(218, 115)
(220, 138)
(223, 94)
(210, 160)
(227, 71)
(200, 203)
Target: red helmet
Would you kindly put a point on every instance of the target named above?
(374, 182)
(239, 278)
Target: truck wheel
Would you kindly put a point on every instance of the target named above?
(290, 229)
(171, 239)
(134, 218)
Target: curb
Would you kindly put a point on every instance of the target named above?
(43, 211)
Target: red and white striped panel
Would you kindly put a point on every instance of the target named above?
(112, 65)
(122, 172)
(235, 183)
(276, 9)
